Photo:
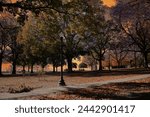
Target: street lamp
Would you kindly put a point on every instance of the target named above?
(61, 82)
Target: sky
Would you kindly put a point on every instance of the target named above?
(109, 3)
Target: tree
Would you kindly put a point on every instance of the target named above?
(22, 58)
(66, 24)
(118, 50)
(118, 45)
(83, 65)
(20, 9)
(69, 25)
(52, 28)
(6, 27)
(29, 38)
(133, 17)
(3, 46)
(39, 38)
(74, 65)
(54, 55)
(35, 5)
(96, 33)
(14, 46)
(90, 61)
(71, 29)
(72, 48)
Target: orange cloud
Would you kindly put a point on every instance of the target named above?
(13, 1)
(109, 3)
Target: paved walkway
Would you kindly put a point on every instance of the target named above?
(42, 91)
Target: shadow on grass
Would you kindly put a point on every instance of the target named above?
(114, 72)
(114, 91)
(108, 73)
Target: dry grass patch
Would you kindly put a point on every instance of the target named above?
(21, 89)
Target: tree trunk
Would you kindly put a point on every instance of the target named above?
(100, 61)
(42, 68)
(14, 66)
(32, 68)
(69, 60)
(23, 70)
(109, 64)
(28, 68)
(119, 63)
(14, 53)
(135, 64)
(146, 60)
(23, 67)
(91, 67)
(54, 68)
(1, 64)
(100, 65)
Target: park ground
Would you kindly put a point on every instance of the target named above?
(132, 89)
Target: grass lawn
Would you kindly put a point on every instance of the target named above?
(134, 90)
(139, 89)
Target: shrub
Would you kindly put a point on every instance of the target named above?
(82, 65)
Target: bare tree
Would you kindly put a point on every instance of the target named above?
(90, 61)
(118, 51)
(134, 19)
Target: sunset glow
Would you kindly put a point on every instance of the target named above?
(13, 1)
(109, 3)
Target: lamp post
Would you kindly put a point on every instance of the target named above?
(63, 25)
(61, 82)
